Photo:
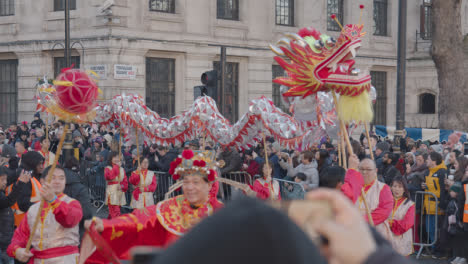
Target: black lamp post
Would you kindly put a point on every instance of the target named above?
(68, 143)
(401, 75)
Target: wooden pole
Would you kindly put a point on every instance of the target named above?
(343, 151)
(138, 147)
(120, 144)
(265, 149)
(369, 141)
(48, 179)
(47, 125)
(343, 127)
(204, 138)
(369, 216)
(339, 149)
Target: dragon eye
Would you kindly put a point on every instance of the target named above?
(331, 42)
(318, 44)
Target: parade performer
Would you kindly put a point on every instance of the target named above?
(161, 224)
(44, 151)
(402, 218)
(58, 239)
(117, 185)
(266, 187)
(145, 183)
(378, 197)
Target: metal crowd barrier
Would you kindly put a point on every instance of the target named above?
(225, 191)
(291, 190)
(423, 231)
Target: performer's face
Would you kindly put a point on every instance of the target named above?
(368, 170)
(195, 189)
(144, 164)
(397, 189)
(58, 181)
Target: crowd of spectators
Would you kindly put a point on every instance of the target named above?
(21, 146)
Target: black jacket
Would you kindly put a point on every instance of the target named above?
(7, 219)
(37, 124)
(76, 190)
(232, 159)
(389, 172)
(165, 161)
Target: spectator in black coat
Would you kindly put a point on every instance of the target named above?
(6, 213)
(30, 161)
(37, 123)
(164, 158)
(232, 160)
(389, 171)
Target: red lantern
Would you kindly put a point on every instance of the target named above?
(79, 96)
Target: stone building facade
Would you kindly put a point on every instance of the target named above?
(159, 49)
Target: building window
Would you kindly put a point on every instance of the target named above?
(7, 7)
(277, 71)
(167, 6)
(427, 103)
(59, 64)
(227, 9)
(285, 12)
(379, 80)
(59, 5)
(426, 19)
(160, 86)
(231, 90)
(380, 17)
(8, 91)
(334, 7)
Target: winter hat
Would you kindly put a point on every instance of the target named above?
(108, 138)
(437, 148)
(8, 151)
(383, 146)
(37, 114)
(276, 145)
(456, 187)
(76, 133)
(248, 152)
(31, 159)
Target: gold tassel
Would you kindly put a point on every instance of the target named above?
(355, 108)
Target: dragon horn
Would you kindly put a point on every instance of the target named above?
(296, 38)
(293, 36)
(276, 50)
(284, 41)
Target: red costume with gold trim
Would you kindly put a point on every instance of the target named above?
(157, 225)
(57, 237)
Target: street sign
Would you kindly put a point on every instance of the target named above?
(124, 72)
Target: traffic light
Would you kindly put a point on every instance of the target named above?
(210, 80)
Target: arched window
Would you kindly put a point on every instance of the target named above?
(427, 103)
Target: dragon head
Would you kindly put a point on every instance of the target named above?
(318, 62)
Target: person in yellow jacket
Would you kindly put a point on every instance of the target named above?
(434, 183)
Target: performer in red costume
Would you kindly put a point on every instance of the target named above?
(161, 224)
(378, 196)
(402, 218)
(266, 187)
(353, 181)
(117, 185)
(57, 238)
(145, 184)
